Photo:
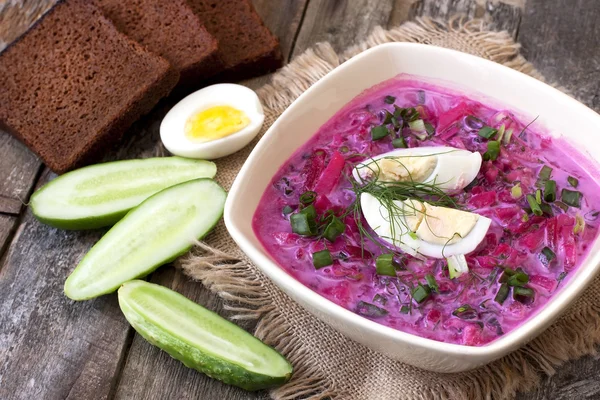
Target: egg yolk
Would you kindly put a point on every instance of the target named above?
(215, 123)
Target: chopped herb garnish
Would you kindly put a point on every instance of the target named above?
(571, 197)
(420, 293)
(380, 299)
(322, 259)
(508, 272)
(502, 293)
(546, 256)
(399, 143)
(546, 209)
(388, 117)
(561, 277)
(561, 205)
(500, 133)
(430, 129)
(579, 224)
(384, 265)
(465, 312)
(344, 149)
(287, 210)
(432, 283)
(308, 197)
(543, 176)
(304, 222)
(493, 151)
(404, 309)
(516, 191)
(538, 196)
(535, 207)
(334, 229)
(370, 310)
(550, 191)
(389, 99)
(418, 129)
(520, 278)
(379, 132)
(573, 181)
(523, 294)
(487, 132)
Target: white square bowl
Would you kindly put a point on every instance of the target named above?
(474, 76)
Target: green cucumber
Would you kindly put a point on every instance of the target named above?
(200, 338)
(154, 233)
(101, 194)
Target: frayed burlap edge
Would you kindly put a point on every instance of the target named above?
(242, 286)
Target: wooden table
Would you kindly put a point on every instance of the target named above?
(54, 348)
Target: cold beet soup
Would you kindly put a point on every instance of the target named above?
(427, 211)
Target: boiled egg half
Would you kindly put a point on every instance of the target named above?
(432, 231)
(448, 168)
(213, 122)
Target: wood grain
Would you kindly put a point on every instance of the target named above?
(498, 14)
(50, 346)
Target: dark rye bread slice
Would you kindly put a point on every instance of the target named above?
(169, 29)
(73, 84)
(246, 45)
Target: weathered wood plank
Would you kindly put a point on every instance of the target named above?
(7, 225)
(498, 14)
(341, 23)
(50, 346)
(18, 170)
(562, 39)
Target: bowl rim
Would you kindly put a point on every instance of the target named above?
(521, 334)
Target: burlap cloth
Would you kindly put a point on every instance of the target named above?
(325, 362)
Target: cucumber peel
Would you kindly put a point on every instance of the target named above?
(200, 338)
(101, 194)
(156, 232)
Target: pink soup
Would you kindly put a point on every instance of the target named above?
(528, 252)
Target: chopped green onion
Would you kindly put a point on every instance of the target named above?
(405, 309)
(429, 128)
(413, 235)
(379, 132)
(493, 151)
(308, 197)
(384, 265)
(522, 294)
(561, 277)
(546, 209)
(465, 312)
(547, 256)
(420, 293)
(487, 132)
(538, 196)
(545, 173)
(287, 210)
(322, 259)
(304, 222)
(516, 191)
(571, 197)
(399, 143)
(370, 310)
(432, 283)
(573, 181)
(561, 205)
(502, 293)
(550, 191)
(525, 218)
(389, 99)
(457, 265)
(388, 117)
(508, 272)
(396, 123)
(579, 224)
(418, 129)
(535, 207)
(507, 136)
(500, 133)
(380, 299)
(334, 229)
(344, 149)
(520, 278)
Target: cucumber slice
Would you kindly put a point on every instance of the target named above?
(200, 338)
(157, 231)
(101, 194)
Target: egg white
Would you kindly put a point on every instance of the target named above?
(454, 169)
(172, 127)
(378, 218)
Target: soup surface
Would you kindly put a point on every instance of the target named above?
(539, 199)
